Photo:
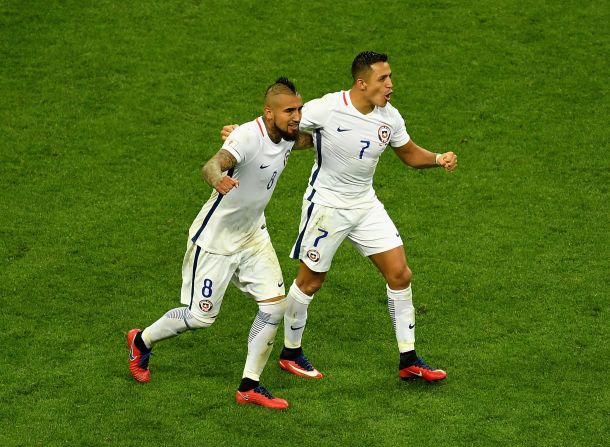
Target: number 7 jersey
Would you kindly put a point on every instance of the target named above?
(227, 224)
(348, 146)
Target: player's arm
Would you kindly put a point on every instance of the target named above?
(418, 157)
(212, 172)
(304, 141)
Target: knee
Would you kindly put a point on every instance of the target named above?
(309, 286)
(399, 279)
(273, 310)
(199, 320)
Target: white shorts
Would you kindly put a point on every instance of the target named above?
(205, 276)
(322, 230)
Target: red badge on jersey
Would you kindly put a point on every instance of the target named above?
(313, 254)
(205, 305)
(384, 134)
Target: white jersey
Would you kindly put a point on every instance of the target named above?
(348, 146)
(227, 224)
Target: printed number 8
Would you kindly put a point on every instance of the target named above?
(270, 184)
(207, 288)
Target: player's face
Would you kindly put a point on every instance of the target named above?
(379, 85)
(286, 115)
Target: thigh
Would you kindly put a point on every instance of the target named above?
(375, 232)
(258, 273)
(321, 232)
(205, 277)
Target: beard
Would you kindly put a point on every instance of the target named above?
(288, 136)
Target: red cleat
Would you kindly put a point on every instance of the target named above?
(260, 396)
(300, 367)
(420, 370)
(138, 361)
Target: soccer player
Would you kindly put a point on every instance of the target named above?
(228, 241)
(350, 131)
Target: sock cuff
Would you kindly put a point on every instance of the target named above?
(146, 339)
(298, 295)
(275, 309)
(404, 294)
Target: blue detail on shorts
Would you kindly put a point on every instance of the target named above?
(319, 150)
(193, 278)
(322, 236)
(297, 246)
(209, 215)
(313, 192)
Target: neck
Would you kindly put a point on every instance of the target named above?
(359, 101)
(272, 132)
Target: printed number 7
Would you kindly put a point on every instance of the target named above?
(367, 143)
(322, 236)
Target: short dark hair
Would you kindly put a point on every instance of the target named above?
(363, 61)
(281, 84)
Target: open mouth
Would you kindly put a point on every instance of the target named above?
(387, 96)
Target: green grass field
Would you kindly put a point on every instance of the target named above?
(109, 109)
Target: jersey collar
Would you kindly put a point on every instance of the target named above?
(347, 102)
(261, 126)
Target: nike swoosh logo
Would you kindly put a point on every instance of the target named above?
(264, 166)
(280, 284)
(269, 343)
(411, 326)
(342, 130)
(417, 373)
(296, 328)
(302, 371)
(131, 356)
(244, 396)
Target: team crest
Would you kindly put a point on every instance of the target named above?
(384, 133)
(205, 305)
(313, 255)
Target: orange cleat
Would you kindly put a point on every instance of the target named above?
(420, 370)
(300, 367)
(138, 361)
(260, 396)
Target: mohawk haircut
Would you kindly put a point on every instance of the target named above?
(363, 61)
(282, 85)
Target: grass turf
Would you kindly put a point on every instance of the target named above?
(107, 113)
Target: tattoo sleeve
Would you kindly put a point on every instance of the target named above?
(213, 169)
(304, 141)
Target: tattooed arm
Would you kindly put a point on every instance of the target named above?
(213, 169)
(304, 141)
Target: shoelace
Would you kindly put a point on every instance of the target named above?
(421, 364)
(144, 358)
(303, 362)
(262, 390)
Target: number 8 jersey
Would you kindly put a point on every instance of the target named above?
(227, 224)
(348, 146)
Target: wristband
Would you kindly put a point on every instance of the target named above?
(438, 156)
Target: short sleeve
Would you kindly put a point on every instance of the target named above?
(400, 136)
(315, 114)
(240, 143)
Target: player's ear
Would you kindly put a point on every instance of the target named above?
(268, 113)
(360, 84)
